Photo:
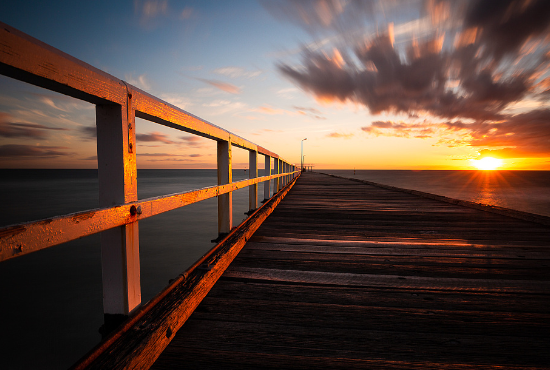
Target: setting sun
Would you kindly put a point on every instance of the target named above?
(487, 163)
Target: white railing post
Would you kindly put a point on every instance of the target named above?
(287, 177)
(276, 171)
(252, 174)
(280, 185)
(117, 173)
(267, 184)
(225, 176)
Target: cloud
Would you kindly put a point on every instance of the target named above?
(154, 136)
(236, 72)
(182, 102)
(465, 66)
(306, 109)
(320, 15)
(522, 135)
(140, 81)
(186, 13)
(194, 141)
(92, 158)
(423, 130)
(162, 157)
(288, 93)
(387, 82)
(267, 109)
(23, 130)
(519, 136)
(89, 132)
(15, 151)
(507, 24)
(225, 106)
(338, 135)
(232, 89)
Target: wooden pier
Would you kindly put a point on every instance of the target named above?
(344, 275)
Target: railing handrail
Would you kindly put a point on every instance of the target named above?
(34, 237)
(27, 59)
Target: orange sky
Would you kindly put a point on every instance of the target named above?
(420, 85)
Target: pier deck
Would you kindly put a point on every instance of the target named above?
(348, 275)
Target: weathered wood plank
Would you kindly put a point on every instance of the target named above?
(349, 275)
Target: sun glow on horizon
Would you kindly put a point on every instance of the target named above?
(487, 163)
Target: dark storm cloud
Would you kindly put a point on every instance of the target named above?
(505, 25)
(28, 151)
(387, 82)
(478, 58)
(526, 135)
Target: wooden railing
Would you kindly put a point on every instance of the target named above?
(117, 104)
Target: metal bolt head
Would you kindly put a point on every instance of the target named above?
(135, 210)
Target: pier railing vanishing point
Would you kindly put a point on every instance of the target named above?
(117, 104)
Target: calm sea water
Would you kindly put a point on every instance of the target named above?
(51, 305)
(51, 300)
(527, 191)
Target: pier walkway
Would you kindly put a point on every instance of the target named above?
(345, 275)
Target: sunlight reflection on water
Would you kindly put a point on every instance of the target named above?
(527, 191)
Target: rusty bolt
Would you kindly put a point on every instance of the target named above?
(135, 210)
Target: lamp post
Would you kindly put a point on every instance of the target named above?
(302, 155)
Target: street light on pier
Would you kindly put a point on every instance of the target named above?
(302, 155)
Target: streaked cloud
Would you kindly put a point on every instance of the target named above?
(194, 141)
(237, 72)
(18, 151)
(139, 81)
(224, 86)
(10, 129)
(463, 66)
(338, 135)
(154, 136)
(89, 132)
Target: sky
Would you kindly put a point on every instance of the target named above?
(415, 85)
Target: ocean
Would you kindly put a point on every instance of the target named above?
(51, 305)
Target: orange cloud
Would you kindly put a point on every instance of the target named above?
(229, 88)
(338, 135)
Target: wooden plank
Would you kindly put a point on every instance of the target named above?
(348, 275)
(390, 281)
(299, 343)
(361, 296)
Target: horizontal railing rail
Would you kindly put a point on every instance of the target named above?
(117, 104)
(34, 236)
